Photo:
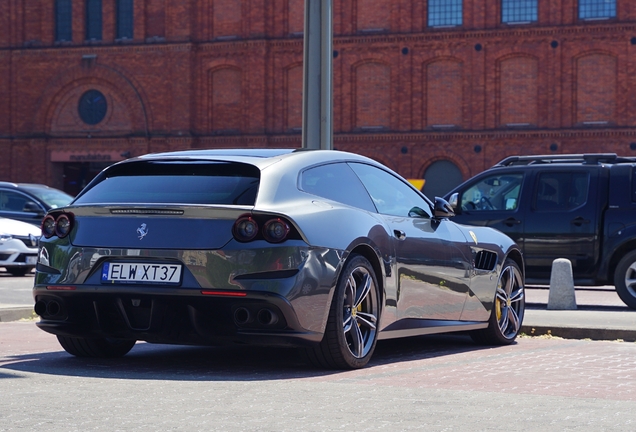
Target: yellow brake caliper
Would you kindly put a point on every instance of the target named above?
(498, 305)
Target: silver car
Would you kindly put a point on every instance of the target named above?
(18, 246)
(325, 250)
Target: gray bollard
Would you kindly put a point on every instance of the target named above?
(562, 296)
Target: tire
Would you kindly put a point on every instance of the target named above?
(98, 347)
(351, 332)
(19, 271)
(508, 308)
(625, 279)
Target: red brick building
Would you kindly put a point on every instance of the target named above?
(426, 87)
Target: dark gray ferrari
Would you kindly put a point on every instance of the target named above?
(325, 250)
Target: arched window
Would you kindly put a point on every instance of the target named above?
(125, 11)
(63, 21)
(296, 17)
(294, 96)
(373, 15)
(93, 19)
(227, 18)
(596, 88)
(226, 90)
(444, 94)
(373, 96)
(518, 91)
(441, 177)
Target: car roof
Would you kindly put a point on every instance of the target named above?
(215, 153)
(261, 158)
(24, 185)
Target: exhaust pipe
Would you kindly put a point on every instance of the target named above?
(242, 316)
(40, 308)
(267, 317)
(53, 308)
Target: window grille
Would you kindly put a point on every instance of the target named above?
(519, 11)
(444, 13)
(597, 9)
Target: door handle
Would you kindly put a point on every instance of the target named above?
(511, 221)
(579, 221)
(400, 235)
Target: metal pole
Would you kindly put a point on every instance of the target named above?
(317, 127)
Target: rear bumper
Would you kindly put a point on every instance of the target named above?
(161, 316)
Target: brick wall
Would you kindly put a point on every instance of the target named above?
(222, 73)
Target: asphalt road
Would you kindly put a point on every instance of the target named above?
(440, 383)
(15, 290)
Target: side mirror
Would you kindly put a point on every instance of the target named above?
(442, 208)
(453, 200)
(31, 207)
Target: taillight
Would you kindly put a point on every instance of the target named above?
(259, 227)
(275, 230)
(245, 229)
(60, 226)
(48, 226)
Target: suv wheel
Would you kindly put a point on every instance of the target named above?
(625, 279)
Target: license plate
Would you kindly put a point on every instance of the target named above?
(32, 259)
(141, 273)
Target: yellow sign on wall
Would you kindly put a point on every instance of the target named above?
(418, 183)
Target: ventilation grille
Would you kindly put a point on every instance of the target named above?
(485, 260)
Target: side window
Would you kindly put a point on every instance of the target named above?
(338, 183)
(11, 201)
(498, 192)
(558, 191)
(390, 195)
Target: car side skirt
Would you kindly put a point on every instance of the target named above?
(417, 327)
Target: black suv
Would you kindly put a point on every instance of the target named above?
(579, 206)
(29, 202)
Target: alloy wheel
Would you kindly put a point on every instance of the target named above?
(509, 302)
(360, 312)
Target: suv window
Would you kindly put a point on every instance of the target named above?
(561, 190)
(496, 192)
(338, 183)
(175, 182)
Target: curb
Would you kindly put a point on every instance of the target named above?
(580, 333)
(16, 313)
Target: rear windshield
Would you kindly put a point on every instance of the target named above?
(175, 182)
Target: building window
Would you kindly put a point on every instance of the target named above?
(93, 19)
(63, 21)
(125, 19)
(597, 9)
(444, 13)
(518, 11)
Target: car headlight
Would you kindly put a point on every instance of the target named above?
(5, 237)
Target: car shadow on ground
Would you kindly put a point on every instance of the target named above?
(171, 362)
